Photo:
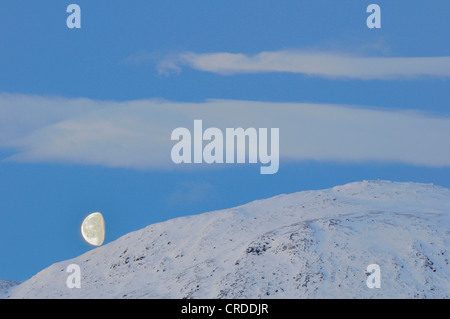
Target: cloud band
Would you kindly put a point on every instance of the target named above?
(136, 134)
(321, 64)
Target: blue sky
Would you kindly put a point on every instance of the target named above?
(60, 89)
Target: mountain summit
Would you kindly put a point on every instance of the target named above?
(311, 244)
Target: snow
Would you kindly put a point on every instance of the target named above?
(311, 244)
(5, 287)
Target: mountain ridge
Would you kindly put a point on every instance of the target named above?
(309, 244)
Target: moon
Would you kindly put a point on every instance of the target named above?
(93, 229)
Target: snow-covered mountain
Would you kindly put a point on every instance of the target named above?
(312, 244)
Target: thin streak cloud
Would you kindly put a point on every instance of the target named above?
(320, 64)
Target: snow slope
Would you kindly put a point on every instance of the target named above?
(5, 286)
(312, 244)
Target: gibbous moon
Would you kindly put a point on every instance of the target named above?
(93, 229)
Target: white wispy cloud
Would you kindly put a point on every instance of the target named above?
(321, 64)
(136, 134)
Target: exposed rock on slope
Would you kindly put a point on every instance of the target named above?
(5, 287)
